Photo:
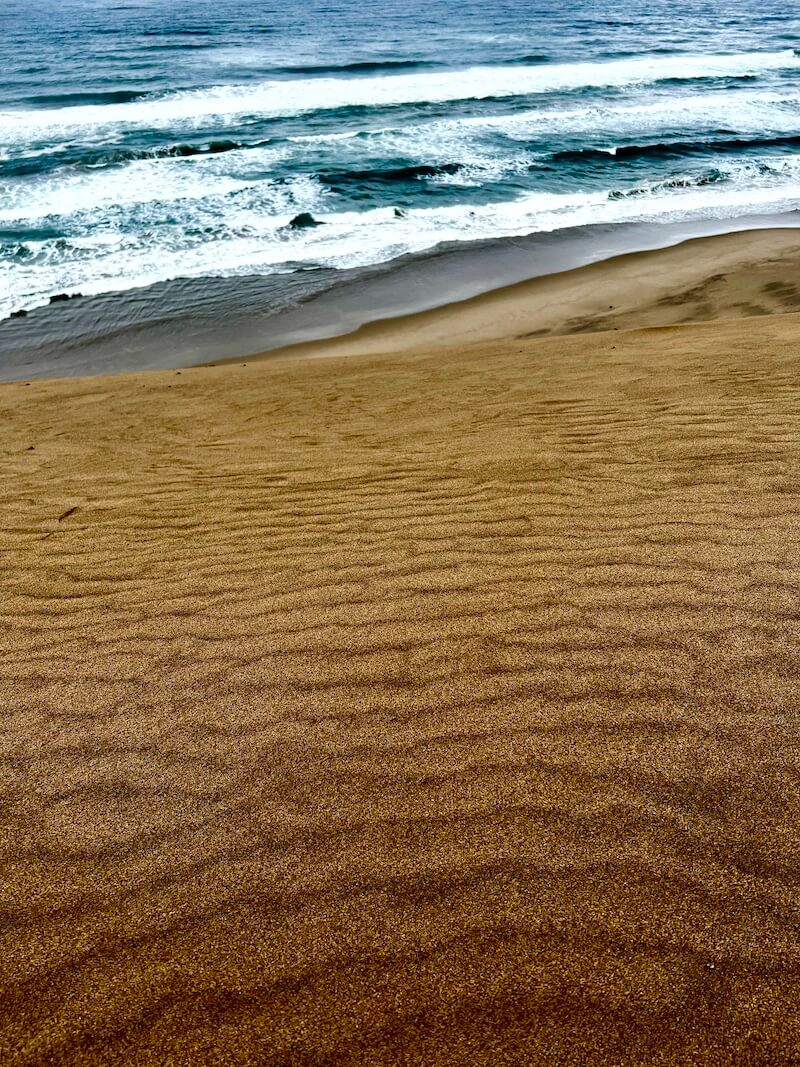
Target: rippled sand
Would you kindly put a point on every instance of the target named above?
(429, 710)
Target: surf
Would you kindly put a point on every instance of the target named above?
(311, 95)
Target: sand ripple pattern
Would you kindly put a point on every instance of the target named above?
(439, 710)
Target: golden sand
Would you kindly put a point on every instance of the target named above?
(434, 709)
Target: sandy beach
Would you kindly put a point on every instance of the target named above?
(430, 707)
(724, 276)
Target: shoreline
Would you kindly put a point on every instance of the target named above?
(733, 275)
(192, 322)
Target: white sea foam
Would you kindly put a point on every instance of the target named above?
(248, 230)
(214, 105)
(107, 192)
(745, 111)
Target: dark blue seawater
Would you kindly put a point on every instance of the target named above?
(155, 139)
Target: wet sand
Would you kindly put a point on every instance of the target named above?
(437, 708)
(203, 320)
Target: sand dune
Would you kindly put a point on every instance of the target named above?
(426, 710)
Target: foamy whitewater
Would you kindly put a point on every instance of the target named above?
(151, 141)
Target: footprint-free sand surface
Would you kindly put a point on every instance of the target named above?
(426, 709)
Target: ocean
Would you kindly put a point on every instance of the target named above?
(149, 147)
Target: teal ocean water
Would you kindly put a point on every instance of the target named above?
(151, 140)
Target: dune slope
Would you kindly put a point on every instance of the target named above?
(435, 710)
